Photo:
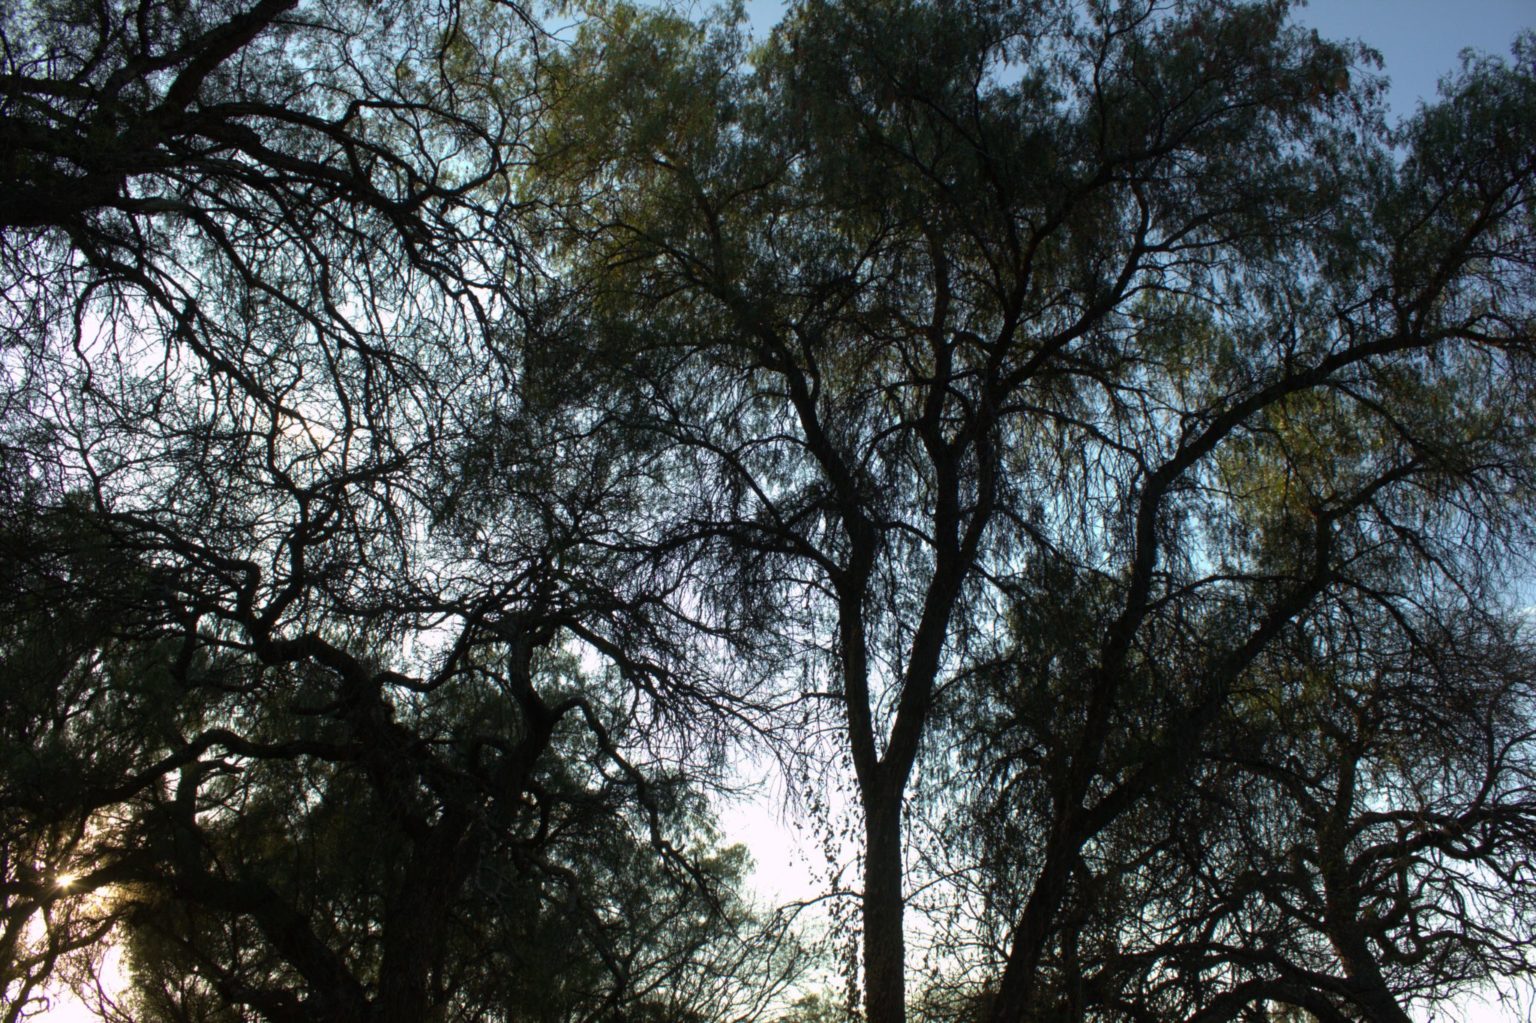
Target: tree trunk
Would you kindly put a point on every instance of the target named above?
(885, 996)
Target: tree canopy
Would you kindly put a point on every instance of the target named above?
(438, 445)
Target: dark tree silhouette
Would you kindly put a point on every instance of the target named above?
(289, 674)
(1092, 349)
(1083, 427)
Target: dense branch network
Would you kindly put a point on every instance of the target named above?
(434, 448)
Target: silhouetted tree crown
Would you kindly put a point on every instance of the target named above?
(1079, 440)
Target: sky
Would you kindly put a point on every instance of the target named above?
(1420, 41)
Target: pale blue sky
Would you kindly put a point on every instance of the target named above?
(1421, 40)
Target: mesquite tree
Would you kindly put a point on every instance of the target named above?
(289, 693)
(1034, 375)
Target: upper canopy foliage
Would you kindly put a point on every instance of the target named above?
(1053, 378)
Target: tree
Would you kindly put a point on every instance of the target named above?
(306, 620)
(1112, 342)
(567, 913)
(1348, 842)
(1083, 423)
(78, 715)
